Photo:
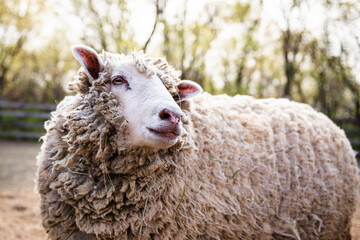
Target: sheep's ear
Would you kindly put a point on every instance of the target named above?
(187, 89)
(90, 60)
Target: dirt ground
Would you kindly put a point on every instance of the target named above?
(19, 205)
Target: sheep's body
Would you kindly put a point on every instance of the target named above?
(244, 169)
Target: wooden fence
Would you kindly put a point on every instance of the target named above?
(352, 130)
(23, 120)
(26, 121)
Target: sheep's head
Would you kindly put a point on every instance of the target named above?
(143, 97)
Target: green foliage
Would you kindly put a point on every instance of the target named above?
(239, 12)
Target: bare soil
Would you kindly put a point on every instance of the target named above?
(19, 204)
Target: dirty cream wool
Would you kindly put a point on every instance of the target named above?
(242, 169)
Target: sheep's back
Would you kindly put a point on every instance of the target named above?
(288, 165)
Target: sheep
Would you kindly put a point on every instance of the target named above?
(138, 153)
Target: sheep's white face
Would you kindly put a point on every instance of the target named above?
(153, 115)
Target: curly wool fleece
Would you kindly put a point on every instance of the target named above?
(242, 169)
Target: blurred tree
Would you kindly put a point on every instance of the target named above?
(28, 73)
(41, 74)
(105, 24)
(292, 43)
(17, 19)
(337, 90)
(240, 49)
(159, 17)
(185, 44)
(297, 58)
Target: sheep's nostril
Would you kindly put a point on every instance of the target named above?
(166, 114)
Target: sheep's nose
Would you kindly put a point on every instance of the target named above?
(169, 115)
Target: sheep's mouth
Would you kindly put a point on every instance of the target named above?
(166, 133)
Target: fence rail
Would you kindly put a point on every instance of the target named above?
(352, 131)
(21, 105)
(21, 114)
(23, 120)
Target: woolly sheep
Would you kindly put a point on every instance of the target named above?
(118, 163)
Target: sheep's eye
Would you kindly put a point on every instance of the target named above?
(118, 80)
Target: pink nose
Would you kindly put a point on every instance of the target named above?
(169, 115)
